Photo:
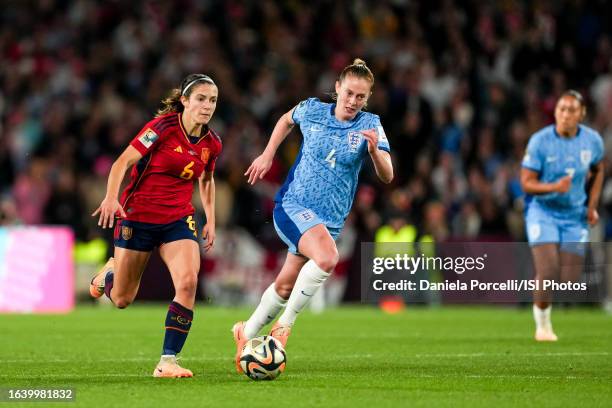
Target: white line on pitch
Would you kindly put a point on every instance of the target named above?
(559, 354)
(349, 356)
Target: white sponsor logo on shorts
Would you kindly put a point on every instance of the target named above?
(534, 231)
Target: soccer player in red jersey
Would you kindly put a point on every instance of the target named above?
(170, 152)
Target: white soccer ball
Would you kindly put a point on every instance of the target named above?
(263, 358)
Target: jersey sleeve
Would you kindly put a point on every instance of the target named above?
(532, 159)
(383, 142)
(598, 149)
(148, 138)
(300, 110)
(210, 166)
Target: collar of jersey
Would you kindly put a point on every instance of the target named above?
(567, 138)
(344, 124)
(188, 137)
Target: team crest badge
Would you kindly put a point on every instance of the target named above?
(585, 157)
(306, 216)
(354, 140)
(205, 155)
(126, 233)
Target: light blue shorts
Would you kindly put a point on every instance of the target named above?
(292, 221)
(543, 227)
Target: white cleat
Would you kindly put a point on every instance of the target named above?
(545, 335)
(168, 368)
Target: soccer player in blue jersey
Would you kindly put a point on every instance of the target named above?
(315, 200)
(559, 162)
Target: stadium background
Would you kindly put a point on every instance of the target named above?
(460, 86)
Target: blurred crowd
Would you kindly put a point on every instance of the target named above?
(460, 87)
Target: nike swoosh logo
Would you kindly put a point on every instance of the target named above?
(306, 294)
(159, 369)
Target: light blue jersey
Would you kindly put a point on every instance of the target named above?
(560, 217)
(554, 157)
(321, 184)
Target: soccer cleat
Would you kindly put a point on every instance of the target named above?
(96, 287)
(545, 335)
(240, 339)
(280, 333)
(168, 368)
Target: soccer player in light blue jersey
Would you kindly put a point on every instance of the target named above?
(315, 200)
(560, 161)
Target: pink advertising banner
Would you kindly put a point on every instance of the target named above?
(36, 269)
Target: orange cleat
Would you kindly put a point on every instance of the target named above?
(96, 287)
(240, 339)
(545, 335)
(168, 368)
(280, 333)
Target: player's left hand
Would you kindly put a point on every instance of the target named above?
(592, 216)
(208, 233)
(372, 137)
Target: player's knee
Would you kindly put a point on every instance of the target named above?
(283, 289)
(122, 302)
(187, 284)
(327, 260)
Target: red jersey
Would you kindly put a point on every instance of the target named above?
(161, 183)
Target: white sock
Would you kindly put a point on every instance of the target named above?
(317, 302)
(542, 317)
(309, 280)
(269, 306)
(167, 358)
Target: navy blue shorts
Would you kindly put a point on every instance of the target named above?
(143, 236)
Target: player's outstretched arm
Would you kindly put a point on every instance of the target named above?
(206, 184)
(532, 185)
(110, 205)
(380, 158)
(261, 165)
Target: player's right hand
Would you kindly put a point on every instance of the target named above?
(258, 169)
(107, 210)
(564, 184)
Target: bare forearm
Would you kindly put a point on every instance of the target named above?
(115, 178)
(207, 195)
(538, 187)
(595, 191)
(282, 128)
(383, 165)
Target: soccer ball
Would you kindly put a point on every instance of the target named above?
(263, 358)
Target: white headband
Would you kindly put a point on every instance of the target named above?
(204, 78)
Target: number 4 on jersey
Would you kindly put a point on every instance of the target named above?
(331, 159)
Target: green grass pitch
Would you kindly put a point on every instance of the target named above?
(347, 357)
